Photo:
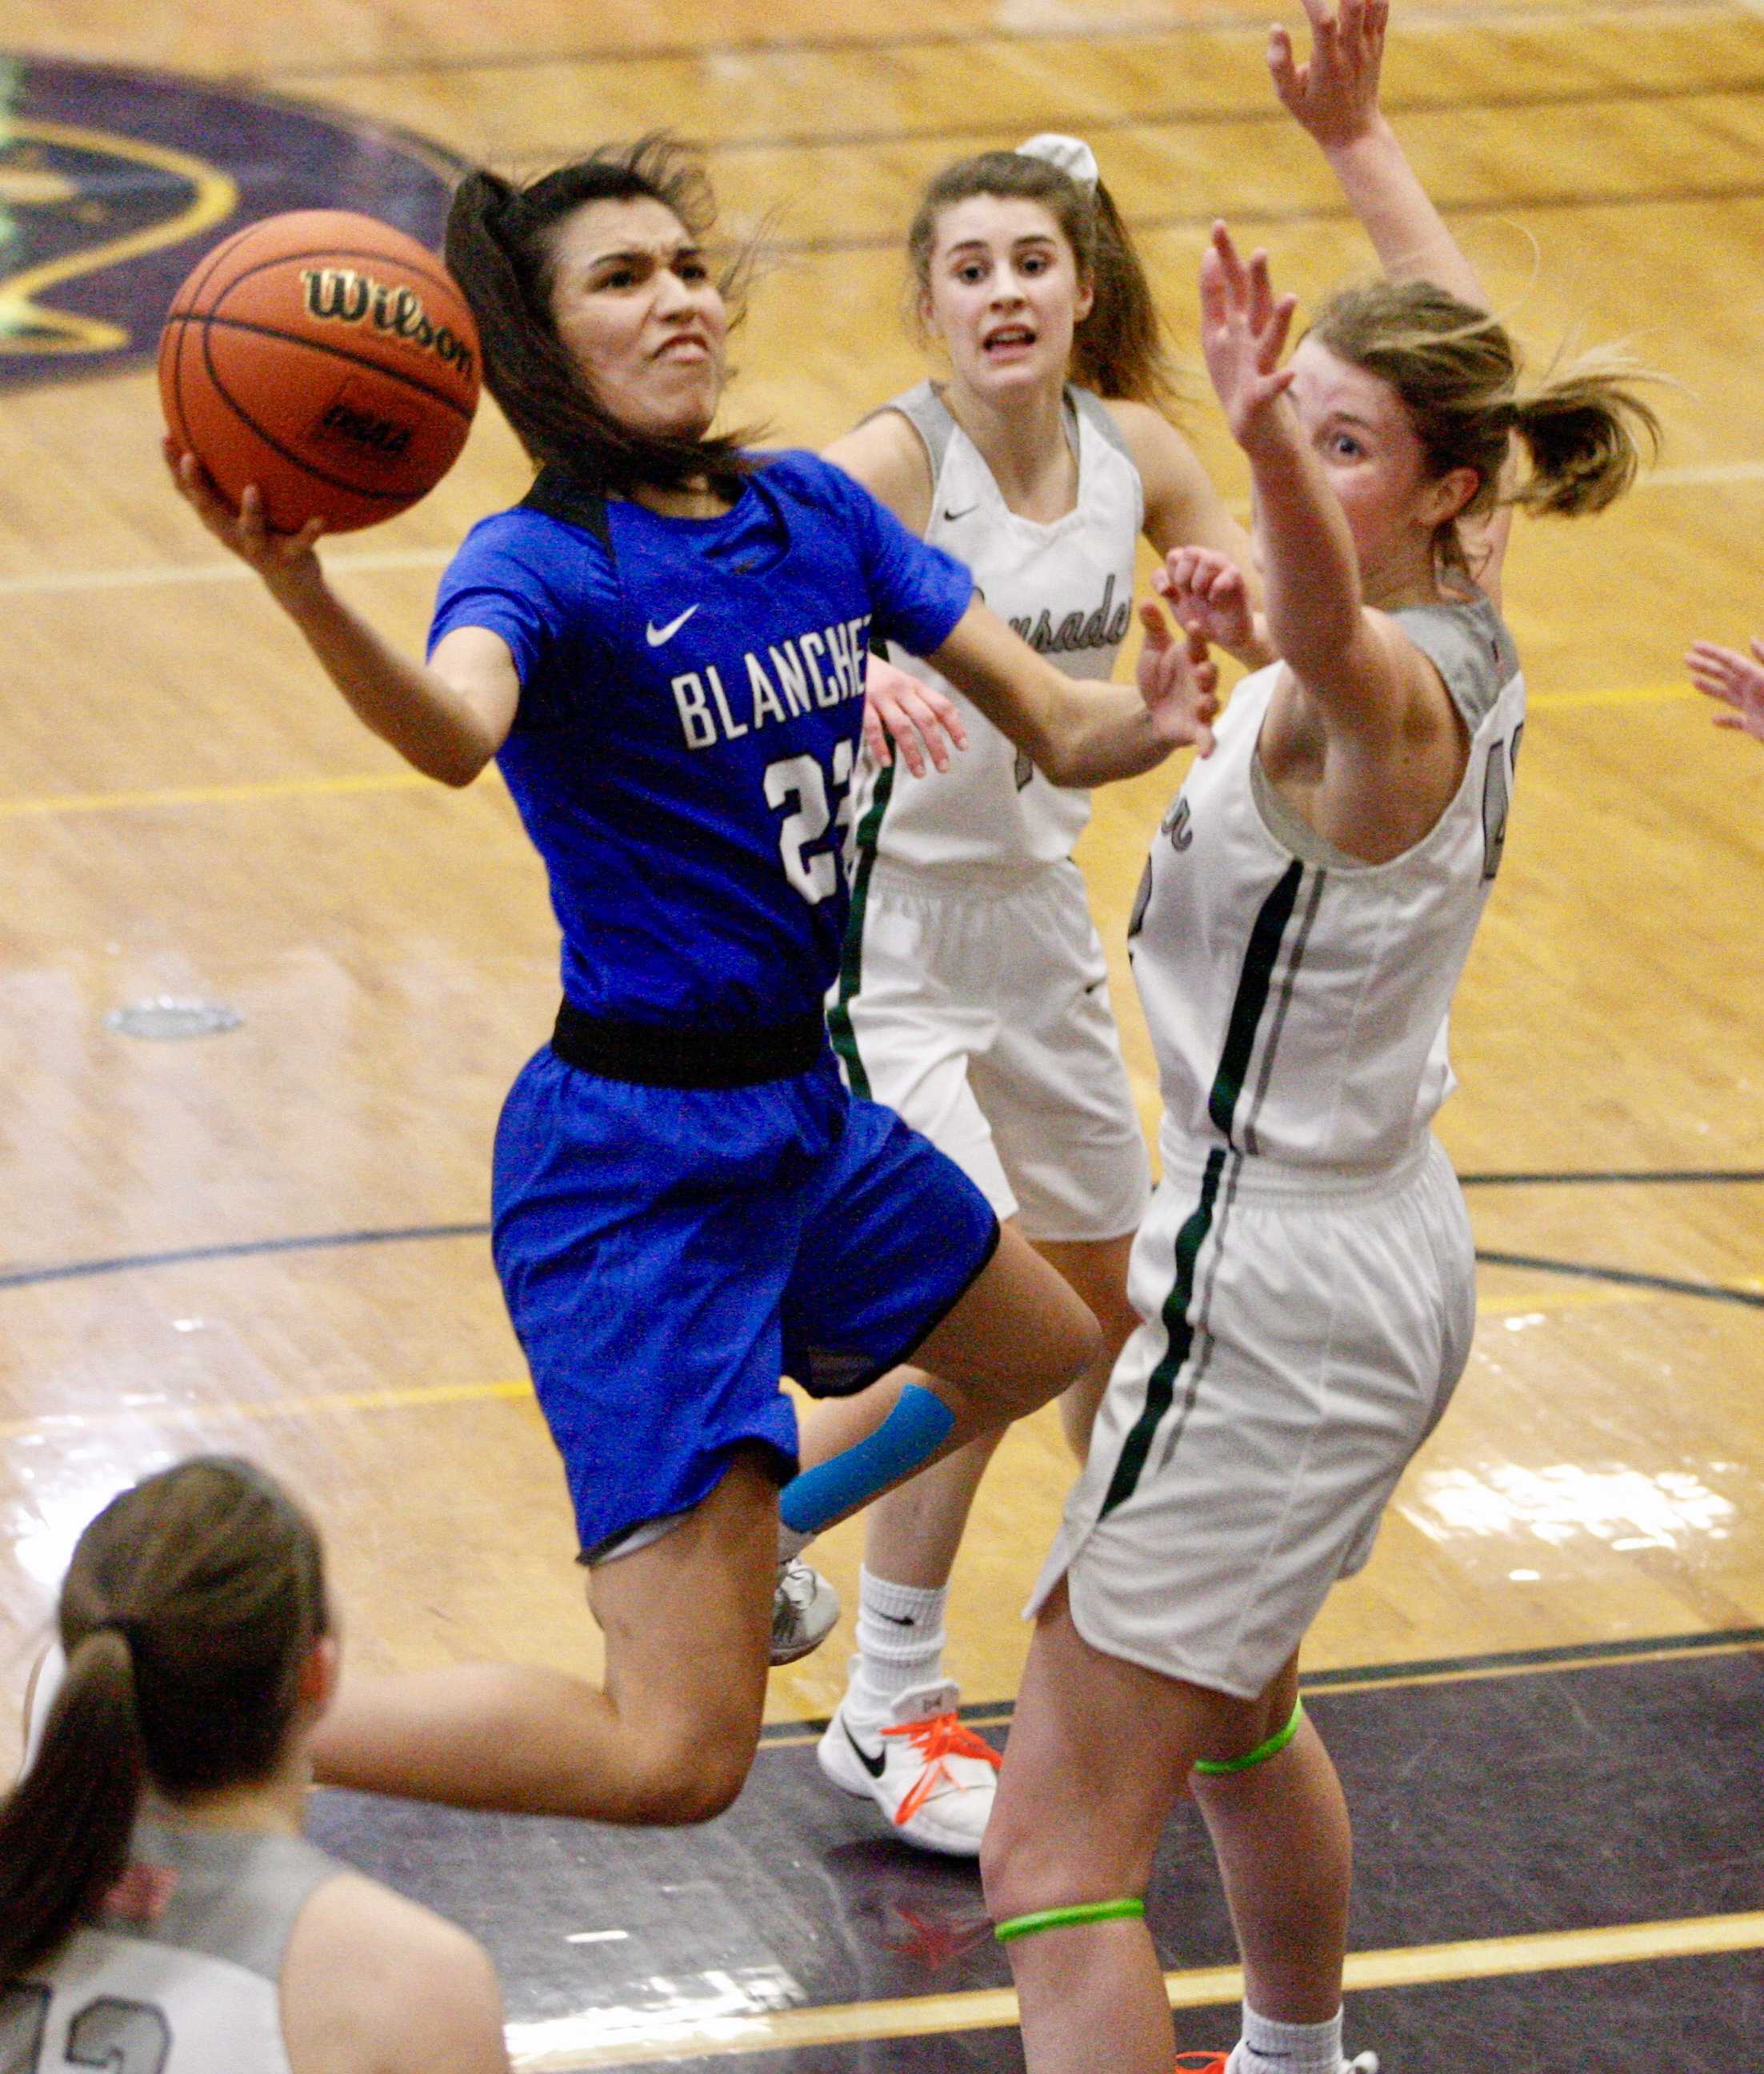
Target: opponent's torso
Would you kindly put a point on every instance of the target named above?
(1298, 1001)
(1066, 586)
(182, 1973)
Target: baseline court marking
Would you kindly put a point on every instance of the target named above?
(563, 2045)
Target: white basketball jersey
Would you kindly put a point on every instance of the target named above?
(181, 1974)
(1066, 588)
(1298, 999)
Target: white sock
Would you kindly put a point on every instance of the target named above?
(1268, 2047)
(900, 1643)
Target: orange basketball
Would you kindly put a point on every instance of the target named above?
(328, 358)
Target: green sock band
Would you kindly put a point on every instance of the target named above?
(1211, 1768)
(1066, 1919)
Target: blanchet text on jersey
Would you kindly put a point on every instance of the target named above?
(821, 668)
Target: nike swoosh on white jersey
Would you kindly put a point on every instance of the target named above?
(656, 635)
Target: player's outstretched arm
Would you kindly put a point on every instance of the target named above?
(1082, 733)
(1736, 681)
(1355, 662)
(1333, 94)
(448, 719)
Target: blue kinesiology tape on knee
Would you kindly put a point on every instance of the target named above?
(910, 1435)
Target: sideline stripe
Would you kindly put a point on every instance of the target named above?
(563, 2045)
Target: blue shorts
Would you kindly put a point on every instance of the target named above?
(666, 1253)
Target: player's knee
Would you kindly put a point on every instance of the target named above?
(1069, 1344)
(1022, 1864)
(689, 1778)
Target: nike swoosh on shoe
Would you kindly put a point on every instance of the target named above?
(874, 1765)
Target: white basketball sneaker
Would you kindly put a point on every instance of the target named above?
(933, 1778)
(804, 1608)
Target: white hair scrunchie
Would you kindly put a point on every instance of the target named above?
(1072, 155)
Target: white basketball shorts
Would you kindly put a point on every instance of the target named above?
(978, 1008)
(1301, 1336)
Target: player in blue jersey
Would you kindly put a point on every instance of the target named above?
(663, 646)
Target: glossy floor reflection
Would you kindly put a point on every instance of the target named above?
(1540, 1801)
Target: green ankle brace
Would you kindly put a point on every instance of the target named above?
(1066, 1919)
(1211, 1768)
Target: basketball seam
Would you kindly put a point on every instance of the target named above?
(405, 498)
(177, 356)
(335, 352)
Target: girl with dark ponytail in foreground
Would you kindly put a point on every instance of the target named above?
(157, 1907)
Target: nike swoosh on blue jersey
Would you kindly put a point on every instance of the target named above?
(656, 635)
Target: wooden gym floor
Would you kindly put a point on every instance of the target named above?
(271, 1240)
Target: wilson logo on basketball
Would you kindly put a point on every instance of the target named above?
(339, 295)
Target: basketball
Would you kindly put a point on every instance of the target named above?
(328, 358)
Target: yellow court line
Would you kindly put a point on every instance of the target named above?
(422, 1396)
(216, 796)
(390, 781)
(1631, 695)
(563, 2045)
(271, 1407)
(53, 582)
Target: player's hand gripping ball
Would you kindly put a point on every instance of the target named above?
(328, 358)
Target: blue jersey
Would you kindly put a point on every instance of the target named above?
(692, 699)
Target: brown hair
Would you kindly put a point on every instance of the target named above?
(500, 248)
(1119, 349)
(1457, 373)
(188, 1612)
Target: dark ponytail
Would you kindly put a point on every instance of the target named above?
(1119, 349)
(189, 1610)
(500, 250)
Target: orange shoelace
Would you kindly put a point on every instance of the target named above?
(937, 1740)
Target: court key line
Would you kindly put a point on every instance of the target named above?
(566, 2044)
(80, 1271)
(357, 783)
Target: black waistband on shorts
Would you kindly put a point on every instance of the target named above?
(656, 1057)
